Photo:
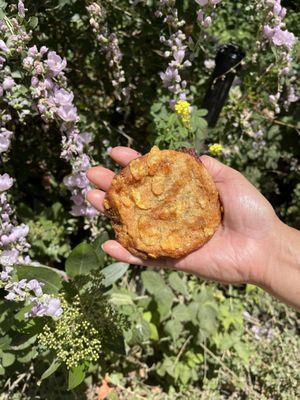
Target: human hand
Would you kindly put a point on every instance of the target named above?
(240, 250)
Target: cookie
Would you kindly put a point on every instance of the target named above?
(163, 204)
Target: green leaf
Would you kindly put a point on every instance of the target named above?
(153, 281)
(2, 370)
(28, 342)
(8, 359)
(207, 317)
(16, 74)
(49, 371)
(155, 285)
(178, 284)
(201, 112)
(181, 313)
(164, 301)
(76, 376)
(5, 342)
(154, 332)
(27, 357)
(96, 244)
(82, 260)
(47, 275)
(113, 272)
(185, 373)
(193, 310)
(173, 328)
(121, 299)
(33, 22)
(141, 331)
(3, 4)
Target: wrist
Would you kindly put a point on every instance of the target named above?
(281, 274)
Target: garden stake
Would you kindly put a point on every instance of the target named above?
(228, 61)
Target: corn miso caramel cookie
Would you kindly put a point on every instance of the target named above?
(163, 204)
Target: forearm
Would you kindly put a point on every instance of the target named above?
(282, 276)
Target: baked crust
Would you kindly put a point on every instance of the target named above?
(163, 204)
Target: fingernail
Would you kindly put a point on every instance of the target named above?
(109, 149)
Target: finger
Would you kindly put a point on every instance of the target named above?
(101, 177)
(96, 197)
(117, 251)
(123, 155)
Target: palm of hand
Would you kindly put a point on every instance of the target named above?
(236, 252)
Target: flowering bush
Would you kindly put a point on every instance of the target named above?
(77, 77)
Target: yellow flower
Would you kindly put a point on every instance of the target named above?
(215, 149)
(182, 108)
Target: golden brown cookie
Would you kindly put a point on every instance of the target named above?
(163, 204)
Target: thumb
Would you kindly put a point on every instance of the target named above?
(219, 171)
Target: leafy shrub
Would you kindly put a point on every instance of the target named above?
(136, 73)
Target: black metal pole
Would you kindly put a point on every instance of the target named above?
(228, 62)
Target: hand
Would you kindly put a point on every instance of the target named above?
(242, 248)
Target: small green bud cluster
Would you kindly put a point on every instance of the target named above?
(72, 337)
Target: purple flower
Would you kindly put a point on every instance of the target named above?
(8, 83)
(282, 13)
(21, 8)
(9, 257)
(83, 162)
(54, 308)
(207, 22)
(209, 64)
(43, 50)
(200, 16)
(170, 75)
(274, 98)
(78, 210)
(268, 31)
(78, 180)
(86, 137)
(32, 51)
(5, 274)
(49, 84)
(179, 56)
(10, 296)
(292, 97)
(68, 113)
(283, 38)
(55, 63)
(5, 137)
(28, 62)
(34, 81)
(285, 71)
(63, 98)
(277, 8)
(6, 182)
(91, 211)
(77, 199)
(41, 108)
(36, 287)
(3, 46)
(48, 306)
(20, 231)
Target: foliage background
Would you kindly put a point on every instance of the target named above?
(187, 338)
